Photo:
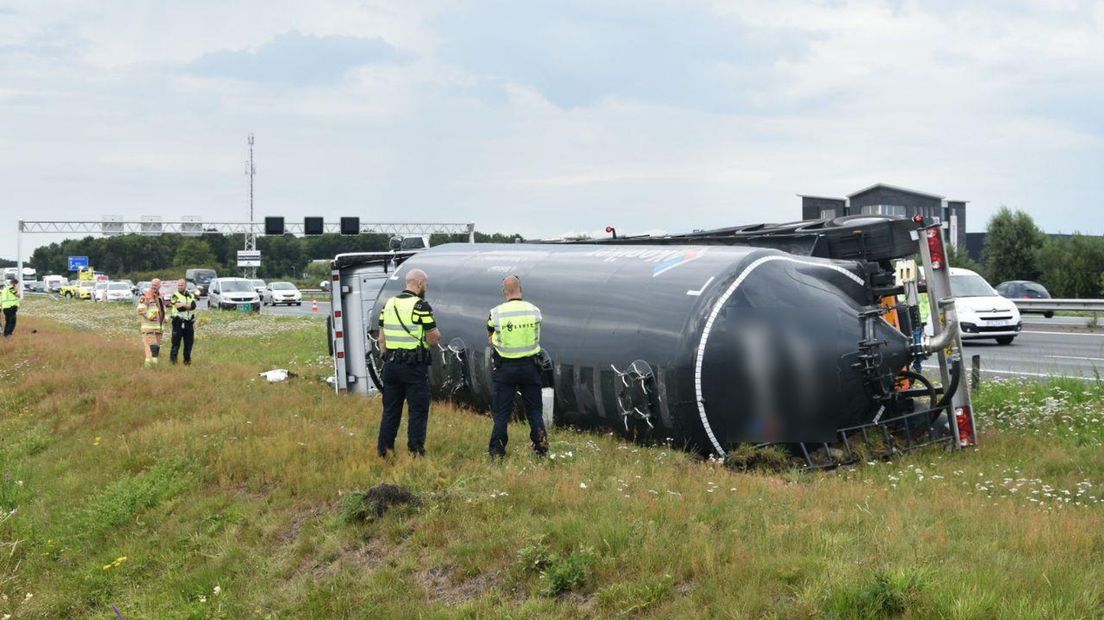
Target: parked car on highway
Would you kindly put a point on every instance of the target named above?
(117, 291)
(282, 293)
(201, 278)
(81, 289)
(54, 283)
(1025, 289)
(982, 312)
(99, 291)
(259, 286)
(324, 285)
(233, 294)
(169, 288)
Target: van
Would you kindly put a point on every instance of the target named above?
(201, 278)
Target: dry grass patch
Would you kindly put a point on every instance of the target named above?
(226, 496)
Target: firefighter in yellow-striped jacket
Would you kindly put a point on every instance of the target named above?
(151, 311)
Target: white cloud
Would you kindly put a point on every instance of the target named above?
(659, 116)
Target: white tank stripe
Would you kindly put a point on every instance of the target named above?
(713, 317)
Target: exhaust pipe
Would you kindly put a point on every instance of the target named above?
(932, 344)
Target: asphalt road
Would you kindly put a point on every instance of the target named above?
(304, 310)
(1041, 351)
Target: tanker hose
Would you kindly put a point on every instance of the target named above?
(956, 374)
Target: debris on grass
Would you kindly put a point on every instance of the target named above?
(276, 375)
(747, 457)
(357, 507)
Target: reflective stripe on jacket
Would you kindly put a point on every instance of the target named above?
(153, 317)
(516, 326)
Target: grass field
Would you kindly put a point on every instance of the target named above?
(205, 492)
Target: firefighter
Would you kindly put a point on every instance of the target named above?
(183, 322)
(151, 309)
(407, 330)
(513, 329)
(9, 301)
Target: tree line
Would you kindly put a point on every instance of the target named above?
(1069, 266)
(282, 256)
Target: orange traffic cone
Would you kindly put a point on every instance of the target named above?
(314, 305)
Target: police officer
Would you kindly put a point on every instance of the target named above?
(9, 301)
(183, 322)
(513, 328)
(407, 330)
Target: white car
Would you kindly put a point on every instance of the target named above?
(233, 294)
(282, 293)
(99, 291)
(982, 312)
(118, 291)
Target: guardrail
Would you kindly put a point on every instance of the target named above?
(1060, 305)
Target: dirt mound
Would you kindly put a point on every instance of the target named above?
(376, 501)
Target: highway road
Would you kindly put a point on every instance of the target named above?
(1041, 351)
(304, 310)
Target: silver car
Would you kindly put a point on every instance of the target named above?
(282, 293)
(233, 294)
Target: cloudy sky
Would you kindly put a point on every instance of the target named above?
(547, 117)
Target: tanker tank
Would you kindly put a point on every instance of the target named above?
(702, 346)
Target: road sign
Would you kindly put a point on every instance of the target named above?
(249, 258)
(76, 263)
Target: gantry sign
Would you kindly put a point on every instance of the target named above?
(194, 227)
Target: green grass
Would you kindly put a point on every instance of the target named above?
(207, 493)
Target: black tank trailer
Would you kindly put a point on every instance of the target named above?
(703, 345)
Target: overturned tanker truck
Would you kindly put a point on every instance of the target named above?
(804, 334)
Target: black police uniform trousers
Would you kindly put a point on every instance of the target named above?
(182, 330)
(409, 382)
(9, 320)
(511, 377)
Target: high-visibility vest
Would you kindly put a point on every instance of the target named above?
(925, 307)
(516, 326)
(152, 317)
(402, 326)
(187, 300)
(8, 297)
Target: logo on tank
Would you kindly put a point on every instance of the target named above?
(663, 260)
(675, 261)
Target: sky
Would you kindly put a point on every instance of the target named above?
(546, 118)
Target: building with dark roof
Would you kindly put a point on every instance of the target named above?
(882, 199)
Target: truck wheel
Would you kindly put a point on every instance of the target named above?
(1005, 339)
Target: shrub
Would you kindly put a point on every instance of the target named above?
(570, 573)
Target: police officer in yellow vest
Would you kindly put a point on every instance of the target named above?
(407, 330)
(9, 300)
(183, 322)
(513, 329)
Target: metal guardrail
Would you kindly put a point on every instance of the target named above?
(1060, 305)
